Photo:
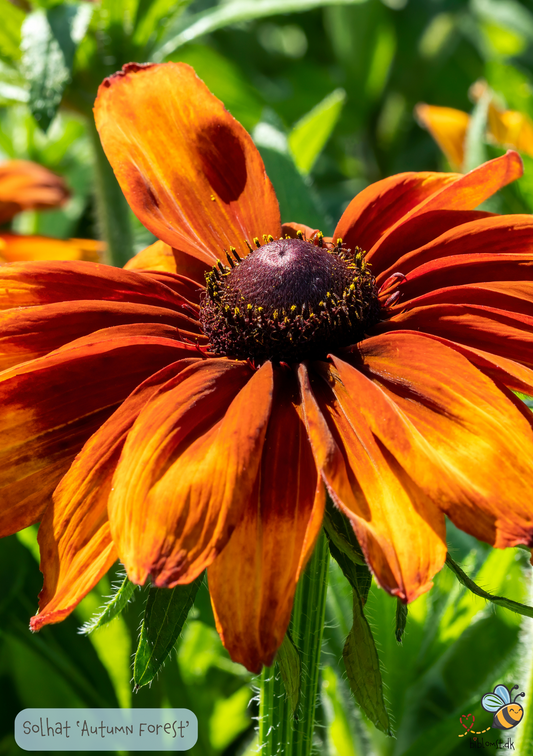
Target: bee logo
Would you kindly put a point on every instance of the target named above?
(507, 713)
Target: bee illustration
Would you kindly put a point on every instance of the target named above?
(507, 713)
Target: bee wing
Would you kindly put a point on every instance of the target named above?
(503, 693)
(492, 702)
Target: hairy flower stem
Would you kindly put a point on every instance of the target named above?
(112, 209)
(279, 732)
(524, 731)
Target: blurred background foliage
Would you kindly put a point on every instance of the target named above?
(328, 90)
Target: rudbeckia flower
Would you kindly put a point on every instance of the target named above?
(191, 411)
(25, 185)
(448, 127)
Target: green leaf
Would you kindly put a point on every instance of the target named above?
(340, 533)
(289, 664)
(164, 617)
(152, 17)
(10, 30)
(362, 667)
(475, 150)
(112, 609)
(295, 196)
(462, 577)
(401, 619)
(309, 136)
(236, 12)
(49, 41)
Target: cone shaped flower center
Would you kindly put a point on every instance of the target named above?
(289, 300)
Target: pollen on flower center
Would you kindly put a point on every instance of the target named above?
(289, 300)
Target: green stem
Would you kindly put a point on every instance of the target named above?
(111, 207)
(279, 733)
(524, 731)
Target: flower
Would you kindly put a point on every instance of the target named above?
(25, 185)
(136, 425)
(449, 127)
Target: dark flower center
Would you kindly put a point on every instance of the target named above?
(289, 300)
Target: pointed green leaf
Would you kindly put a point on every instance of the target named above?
(309, 136)
(340, 533)
(112, 609)
(296, 198)
(362, 667)
(401, 619)
(49, 41)
(164, 617)
(236, 12)
(475, 150)
(462, 577)
(289, 664)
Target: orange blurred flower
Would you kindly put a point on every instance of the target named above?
(28, 186)
(449, 127)
(191, 411)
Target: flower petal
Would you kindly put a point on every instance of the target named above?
(50, 406)
(74, 536)
(28, 186)
(28, 333)
(187, 470)
(478, 242)
(35, 283)
(486, 328)
(189, 171)
(273, 540)
(160, 257)
(379, 207)
(17, 248)
(418, 232)
(478, 433)
(399, 527)
(448, 128)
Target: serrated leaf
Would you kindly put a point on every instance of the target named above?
(362, 668)
(164, 617)
(401, 619)
(513, 606)
(236, 12)
(112, 609)
(288, 660)
(49, 41)
(309, 136)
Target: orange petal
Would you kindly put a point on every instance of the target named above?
(486, 328)
(74, 536)
(160, 257)
(477, 241)
(188, 469)
(418, 232)
(448, 128)
(27, 186)
(477, 432)
(463, 193)
(50, 406)
(16, 248)
(37, 283)
(511, 128)
(189, 171)
(28, 333)
(253, 581)
(399, 527)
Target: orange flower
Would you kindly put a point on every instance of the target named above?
(189, 413)
(449, 127)
(28, 186)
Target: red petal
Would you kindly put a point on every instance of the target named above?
(187, 470)
(190, 172)
(252, 582)
(74, 537)
(50, 406)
